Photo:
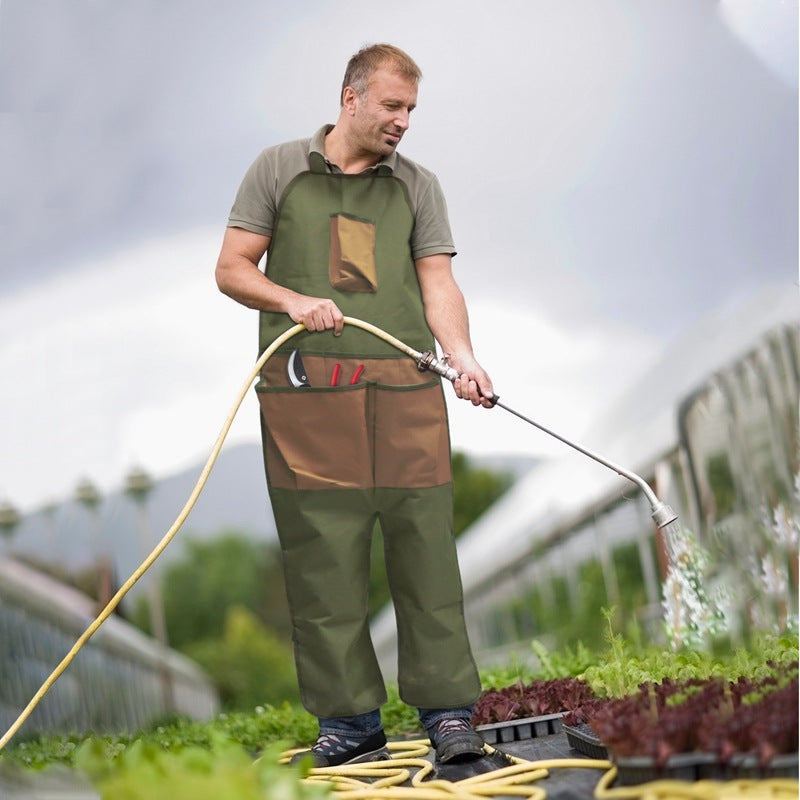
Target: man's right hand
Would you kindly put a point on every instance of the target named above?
(316, 313)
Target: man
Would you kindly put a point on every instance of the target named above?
(352, 228)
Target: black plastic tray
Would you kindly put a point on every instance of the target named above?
(519, 729)
(583, 739)
(632, 770)
(746, 766)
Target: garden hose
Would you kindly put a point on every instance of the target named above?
(406, 776)
(394, 778)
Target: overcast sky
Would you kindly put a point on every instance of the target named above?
(614, 169)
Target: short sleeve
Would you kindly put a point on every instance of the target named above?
(432, 234)
(255, 204)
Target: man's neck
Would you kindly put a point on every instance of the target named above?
(348, 161)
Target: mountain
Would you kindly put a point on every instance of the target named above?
(234, 497)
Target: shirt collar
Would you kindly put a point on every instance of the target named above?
(318, 146)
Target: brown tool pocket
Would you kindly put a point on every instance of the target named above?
(352, 254)
(316, 438)
(358, 436)
(412, 444)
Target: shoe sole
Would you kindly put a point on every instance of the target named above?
(381, 754)
(465, 750)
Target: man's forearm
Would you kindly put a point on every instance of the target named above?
(446, 313)
(447, 317)
(239, 277)
(244, 282)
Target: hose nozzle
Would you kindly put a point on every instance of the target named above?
(662, 514)
(428, 361)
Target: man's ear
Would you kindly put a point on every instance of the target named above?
(349, 100)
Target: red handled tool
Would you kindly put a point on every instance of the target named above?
(337, 372)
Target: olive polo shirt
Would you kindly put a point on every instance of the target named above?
(258, 199)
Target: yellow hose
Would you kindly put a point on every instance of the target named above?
(394, 780)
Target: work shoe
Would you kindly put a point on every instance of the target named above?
(455, 740)
(333, 750)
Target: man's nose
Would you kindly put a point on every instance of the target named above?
(403, 119)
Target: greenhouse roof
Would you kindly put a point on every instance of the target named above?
(639, 429)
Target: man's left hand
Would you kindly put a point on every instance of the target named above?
(473, 383)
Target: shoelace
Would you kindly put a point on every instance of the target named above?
(454, 725)
(331, 744)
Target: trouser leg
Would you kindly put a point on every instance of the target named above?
(436, 669)
(359, 727)
(325, 542)
(429, 717)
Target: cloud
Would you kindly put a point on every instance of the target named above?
(599, 157)
(559, 377)
(104, 346)
(120, 123)
(613, 172)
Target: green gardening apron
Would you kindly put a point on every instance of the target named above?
(373, 447)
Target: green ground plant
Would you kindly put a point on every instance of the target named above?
(613, 671)
(623, 667)
(224, 769)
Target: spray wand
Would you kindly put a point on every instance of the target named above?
(662, 514)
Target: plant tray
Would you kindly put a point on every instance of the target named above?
(632, 770)
(583, 739)
(747, 766)
(519, 729)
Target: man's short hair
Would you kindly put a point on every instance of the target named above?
(368, 59)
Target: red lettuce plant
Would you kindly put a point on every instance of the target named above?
(750, 716)
(535, 699)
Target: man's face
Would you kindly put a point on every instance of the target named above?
(382, 117)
